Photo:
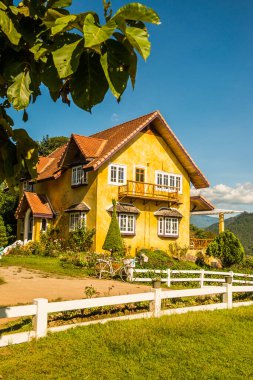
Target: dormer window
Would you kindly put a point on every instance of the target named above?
(79, 177)
(27, 186)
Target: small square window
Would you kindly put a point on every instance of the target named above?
(77, 220)
(127, 224)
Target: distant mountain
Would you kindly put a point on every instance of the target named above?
(242, 227)
(203, 221)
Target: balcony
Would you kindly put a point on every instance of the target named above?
(148, 191)
(199, 243)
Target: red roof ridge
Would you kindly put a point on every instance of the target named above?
(125, 122)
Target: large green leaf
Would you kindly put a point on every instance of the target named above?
(88, 85)
(139, 40)
(138, 12)
(62, 24)
(52, 15)
(66, 59)
(132, 56)
(27, 150)
(95, 35)
(8, 28)
(116, 62)
(50, 77)
(19, 92)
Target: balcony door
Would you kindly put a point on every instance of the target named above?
(140, 180)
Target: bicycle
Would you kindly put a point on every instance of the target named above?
(110, 267)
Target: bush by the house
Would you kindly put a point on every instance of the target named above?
(81, 239)
(177, 251)
(3, 236)
(227, 247)
(113, 241)
(158, 259)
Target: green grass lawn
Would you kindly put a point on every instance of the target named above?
(204, 345)
(45, 264)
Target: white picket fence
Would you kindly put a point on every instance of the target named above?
(41, 308)
(200, 276)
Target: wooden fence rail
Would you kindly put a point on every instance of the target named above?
(41, 308)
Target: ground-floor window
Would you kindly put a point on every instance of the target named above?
(77, 220)
(167, 226)
(127, 224)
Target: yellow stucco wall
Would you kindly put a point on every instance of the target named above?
(146, 149)
(150, 151)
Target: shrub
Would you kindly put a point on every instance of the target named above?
(113, 241)
(81, 239)
(227, 247)
(176, 251)
(3, 236)
(157, 259)
(200, 260)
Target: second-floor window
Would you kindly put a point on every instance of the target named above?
(27, 186)
(127, 224)
(79, 177)
(77, 220)
(169, 182)
(117, 174)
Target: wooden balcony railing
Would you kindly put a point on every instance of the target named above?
(149, 191)
(199, 243)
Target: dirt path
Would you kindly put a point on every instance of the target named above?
(23, 285)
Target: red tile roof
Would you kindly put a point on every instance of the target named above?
(101, 146)
(48, 167)
(38, 204)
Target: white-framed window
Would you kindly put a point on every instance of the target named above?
(79, 177)
(168, 181)
(167, 226)
(43, 225)
(77, 220)
(127, 223)
(117, 174)
(27, 186)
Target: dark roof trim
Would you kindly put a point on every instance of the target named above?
(171, 212)
(125, 208)
(79, 207)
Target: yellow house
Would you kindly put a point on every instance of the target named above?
(140, 163)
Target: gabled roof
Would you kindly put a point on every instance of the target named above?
(38, 204)
(48, 167)
(121, 134)
(101, 146)
(90, 147)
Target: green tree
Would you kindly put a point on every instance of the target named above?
(48, 144)
(228, 248)
(8, 205)
(3, 237)
(113, 241)
(75, 56)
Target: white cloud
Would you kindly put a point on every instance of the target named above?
(241, 195)
(115, 118)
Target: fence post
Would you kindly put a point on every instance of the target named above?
(155, 306)
(202, 275)
(40, 317)
(130, 274)
(168, 278)
(228, 296)
(231, 273)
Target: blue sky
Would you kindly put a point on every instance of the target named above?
(199, 75)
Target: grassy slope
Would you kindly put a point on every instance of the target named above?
(44, 264)
(207, 345)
